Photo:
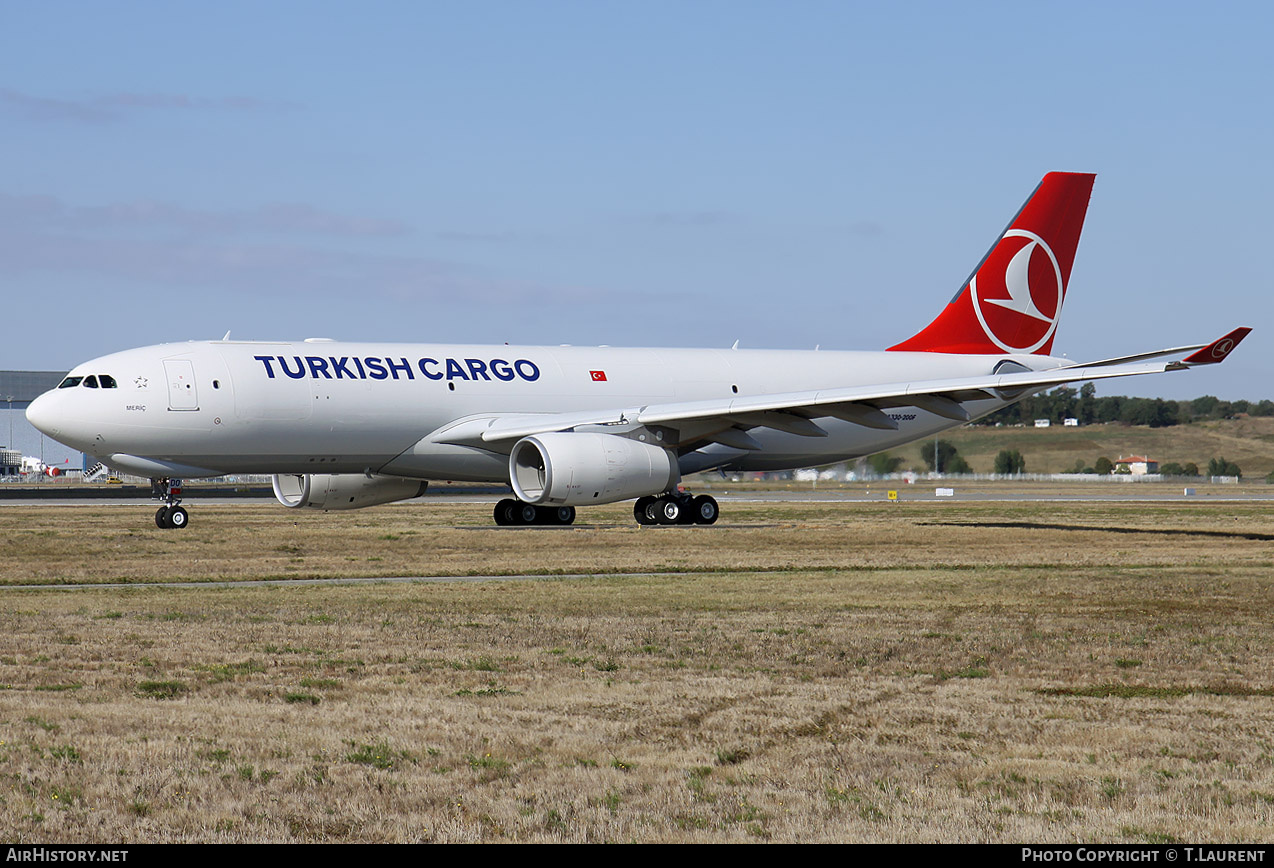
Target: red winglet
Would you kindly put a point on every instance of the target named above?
(1218, 349)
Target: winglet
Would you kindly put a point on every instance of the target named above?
(1217, 350)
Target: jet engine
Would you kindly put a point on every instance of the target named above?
(343, 490)
(570, 469)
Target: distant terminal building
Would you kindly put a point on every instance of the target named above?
(19, 388)
(1137, 465)
(17, 437)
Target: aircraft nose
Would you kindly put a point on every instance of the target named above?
(42, 415)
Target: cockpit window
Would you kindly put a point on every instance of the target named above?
(92, 381)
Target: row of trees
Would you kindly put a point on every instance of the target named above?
(1084, 405)
(1216, 467)
(943, 457)
(1008, 462)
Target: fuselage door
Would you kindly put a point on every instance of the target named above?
(182, 394)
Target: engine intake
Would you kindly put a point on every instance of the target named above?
(570, 469)
(343, 490)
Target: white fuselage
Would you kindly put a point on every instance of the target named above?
(210, 408)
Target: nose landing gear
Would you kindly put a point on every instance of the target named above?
(171, 514)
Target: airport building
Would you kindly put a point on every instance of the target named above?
(20, 388)
(1137, 465)
(17, 437)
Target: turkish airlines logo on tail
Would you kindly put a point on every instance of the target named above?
(598, 376)
(1222, 348)
(1017, 293)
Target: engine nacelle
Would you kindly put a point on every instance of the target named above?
(569, 469)
(343, 490)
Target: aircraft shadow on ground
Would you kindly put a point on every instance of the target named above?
(1039, 525)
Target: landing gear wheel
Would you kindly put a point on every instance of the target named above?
(177, 517)
(704, 509)
(514, 512)
(669, 510)
(161, 518)
(641, 510)
(504, 511)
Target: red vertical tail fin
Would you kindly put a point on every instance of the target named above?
(1013, 300)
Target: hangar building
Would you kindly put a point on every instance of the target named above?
(17, 390)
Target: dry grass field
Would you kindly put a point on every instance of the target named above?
(802, 672)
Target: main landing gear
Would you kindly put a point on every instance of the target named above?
(513, 512)
(171, 514)
(676, 507)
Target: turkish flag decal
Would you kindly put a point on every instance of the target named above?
(598, 376)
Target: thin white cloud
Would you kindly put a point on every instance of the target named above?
(107, 108)
(144, 214)
(266, 251)
(348, 280)
(39, 108)
(681, 219)
(465, 237)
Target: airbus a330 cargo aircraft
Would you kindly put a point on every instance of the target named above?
(350, 425)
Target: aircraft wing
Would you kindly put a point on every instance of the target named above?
(727, 420)
(1212, 353)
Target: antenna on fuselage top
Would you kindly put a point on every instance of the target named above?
(226, 336)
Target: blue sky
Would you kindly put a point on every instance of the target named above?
(675, 174)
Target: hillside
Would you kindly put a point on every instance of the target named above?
(1249, 442)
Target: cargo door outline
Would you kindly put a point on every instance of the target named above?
(182, 394)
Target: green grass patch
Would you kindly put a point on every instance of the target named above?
(484, 691)
(379, 756)
(220, 672)
(320, 683)
(488, 762)
(163, 689)
(65, 752)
